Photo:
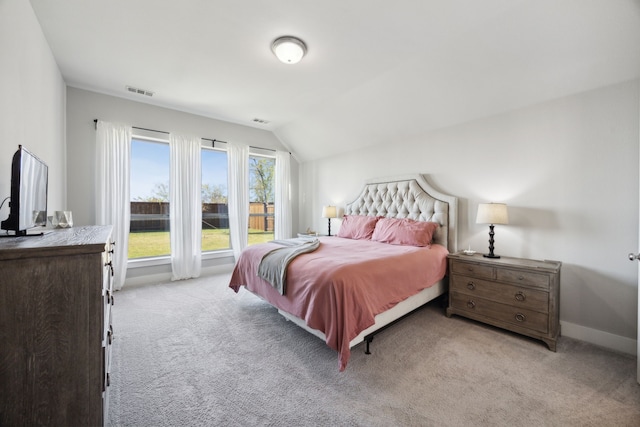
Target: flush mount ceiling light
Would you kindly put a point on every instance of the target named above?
(289, 50)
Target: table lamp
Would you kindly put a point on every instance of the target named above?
(492, 213)
(329, 212)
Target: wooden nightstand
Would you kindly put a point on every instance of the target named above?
(517, 294)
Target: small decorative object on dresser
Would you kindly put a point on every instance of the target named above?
(517, 294)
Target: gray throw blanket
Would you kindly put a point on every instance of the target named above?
(273, 266)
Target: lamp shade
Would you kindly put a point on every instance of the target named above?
(289, 50)
(329, 212)
(492, 213)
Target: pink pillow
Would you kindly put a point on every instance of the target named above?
(357, 227)
(404, 231)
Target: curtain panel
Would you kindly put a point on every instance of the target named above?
(185, 206)
(238, 195)
(113, 158)
(282, 229)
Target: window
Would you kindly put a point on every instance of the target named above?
(215, 208)
(261, 198)
(150, 174)
(149, 192)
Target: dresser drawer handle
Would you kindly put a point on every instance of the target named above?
(520, 317)
(469, 268)
(521, 277)
(471, 286)
(110, 265)
(471, 304)
(520, 296)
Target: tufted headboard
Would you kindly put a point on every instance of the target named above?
(410, 196)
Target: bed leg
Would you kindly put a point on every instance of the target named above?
(368, 340)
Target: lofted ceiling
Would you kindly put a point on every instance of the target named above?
(376, 70)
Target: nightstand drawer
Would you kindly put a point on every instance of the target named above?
(525, 278)
(491, 310)
(530, 299)
(473, 270)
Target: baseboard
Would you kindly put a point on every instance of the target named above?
(217, 269)
(147, 279)
(601, 338)
(165, 277)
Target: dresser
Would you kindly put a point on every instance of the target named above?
(517, 294)
(55, 327)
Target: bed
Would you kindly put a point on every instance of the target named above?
(351, 287)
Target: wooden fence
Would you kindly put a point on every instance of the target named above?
(154, 216)
(258, 218)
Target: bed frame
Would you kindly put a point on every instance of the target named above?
(407, 196)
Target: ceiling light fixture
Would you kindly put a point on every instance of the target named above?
(289, 50)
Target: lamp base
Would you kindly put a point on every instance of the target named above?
(491, 256)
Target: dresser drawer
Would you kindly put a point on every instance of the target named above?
(531, 299)
(518, 316)
(473, 270)
(526, 278)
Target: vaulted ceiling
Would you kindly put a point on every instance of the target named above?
(375, 71)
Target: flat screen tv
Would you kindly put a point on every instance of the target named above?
(28, 202)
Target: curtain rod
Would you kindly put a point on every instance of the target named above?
(213, 141)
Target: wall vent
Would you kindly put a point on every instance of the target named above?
(261, 121)
(139, 91)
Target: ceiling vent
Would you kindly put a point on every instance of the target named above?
(261, 121)
(139, 91)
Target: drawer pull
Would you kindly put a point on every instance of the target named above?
(110, 265)
(470, 268)
(520, 317)
(471, 304)
(520, 277)
(471, 286)
(520, 296)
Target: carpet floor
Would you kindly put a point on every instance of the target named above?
(194, 353)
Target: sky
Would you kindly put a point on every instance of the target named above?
(150, 166)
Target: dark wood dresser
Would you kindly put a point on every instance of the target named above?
(55, 327)
(517, 294)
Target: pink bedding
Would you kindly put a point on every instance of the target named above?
(339, 288)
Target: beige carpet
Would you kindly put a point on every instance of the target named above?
(194, 353)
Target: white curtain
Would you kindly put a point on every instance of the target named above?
(283, 196)
(113, 158)
(185, 206)
(238, 195)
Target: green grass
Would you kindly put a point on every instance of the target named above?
(156, 243)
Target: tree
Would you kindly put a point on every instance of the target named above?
(160, 194)
(262, 180)
(216, 193)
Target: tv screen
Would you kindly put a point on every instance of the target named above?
(28, 204)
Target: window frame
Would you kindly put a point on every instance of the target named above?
(159, 138)
(229, 250)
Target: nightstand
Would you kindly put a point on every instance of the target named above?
(517, 294)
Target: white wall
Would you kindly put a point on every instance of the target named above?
(568, 170)
(32, 100)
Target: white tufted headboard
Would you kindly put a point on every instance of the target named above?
(410, 196)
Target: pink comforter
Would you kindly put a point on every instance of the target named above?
(339, 288)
